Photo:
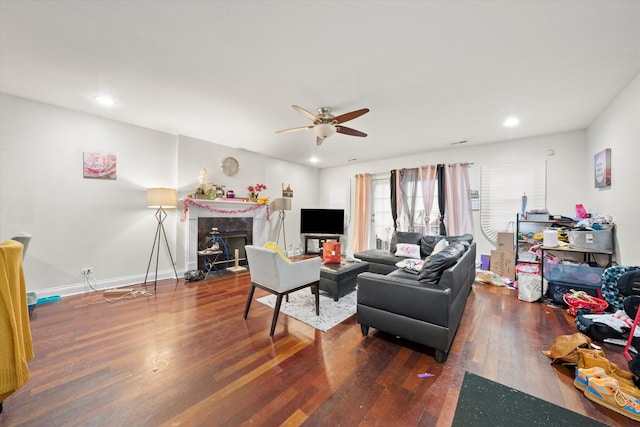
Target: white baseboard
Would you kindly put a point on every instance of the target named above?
(100, 285)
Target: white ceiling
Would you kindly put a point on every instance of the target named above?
(432, 72)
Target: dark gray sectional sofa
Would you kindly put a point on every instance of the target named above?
(424, 308)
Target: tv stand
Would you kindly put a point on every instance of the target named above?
(321, 238)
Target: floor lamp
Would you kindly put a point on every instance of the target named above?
(282, 205)
(160, 199)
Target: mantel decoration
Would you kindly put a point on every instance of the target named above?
(254, 190)
(206, 189)
(189, 201)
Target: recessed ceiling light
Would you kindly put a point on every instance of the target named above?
(314, 160)
(104, 100)
(511, 122)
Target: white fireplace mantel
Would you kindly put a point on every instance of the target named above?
(202, 208)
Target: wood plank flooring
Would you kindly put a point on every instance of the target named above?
(185, 356)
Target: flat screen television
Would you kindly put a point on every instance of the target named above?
(322, 221)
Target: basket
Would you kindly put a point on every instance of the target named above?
(581, 299)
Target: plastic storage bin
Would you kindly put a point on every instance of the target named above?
(597, 240)
(579, 274)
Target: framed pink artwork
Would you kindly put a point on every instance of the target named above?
(602, 168)
(99, 165)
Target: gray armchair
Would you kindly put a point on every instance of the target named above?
(275, 274)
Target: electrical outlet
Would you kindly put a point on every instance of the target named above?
(86, 270)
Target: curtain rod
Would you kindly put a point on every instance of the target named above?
(387, 172)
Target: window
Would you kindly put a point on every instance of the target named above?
(381, 218)
(502, 188)
(383, 221)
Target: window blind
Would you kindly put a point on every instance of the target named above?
(502, 188)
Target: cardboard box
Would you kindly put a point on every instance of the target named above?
(505, 242)
(503, 263)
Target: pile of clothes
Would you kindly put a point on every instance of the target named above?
(602, 381)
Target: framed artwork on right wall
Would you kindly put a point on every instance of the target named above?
(602, 168)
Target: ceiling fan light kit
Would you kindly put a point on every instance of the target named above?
(325, 123)
(324, 130)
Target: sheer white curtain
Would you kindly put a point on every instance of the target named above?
(409, 180)
(362, 212)
(458, 216)
(427, 187)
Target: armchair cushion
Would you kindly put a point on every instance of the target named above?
(274, 247)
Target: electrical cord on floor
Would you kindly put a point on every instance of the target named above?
(126, 294)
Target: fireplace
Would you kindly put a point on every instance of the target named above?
(231, 234)
(238, 223)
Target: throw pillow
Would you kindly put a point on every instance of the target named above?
(411, 265)
(440, 246)
(408, 250)
(274, 247)
(404, 237)
(436, 265)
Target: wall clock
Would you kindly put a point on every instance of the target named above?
(230, 166)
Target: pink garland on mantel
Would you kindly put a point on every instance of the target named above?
(188, 201)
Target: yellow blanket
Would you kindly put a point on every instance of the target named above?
(16, 347)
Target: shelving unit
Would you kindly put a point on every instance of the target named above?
(524, 226)
(523, 245)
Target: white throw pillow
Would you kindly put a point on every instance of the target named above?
(408, 250)
(440, 246)
(411, 265)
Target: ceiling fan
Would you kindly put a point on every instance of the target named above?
(326, 124)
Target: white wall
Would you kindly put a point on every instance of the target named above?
(196, 154)
(565, 173)
(618, 128)
(77, 222)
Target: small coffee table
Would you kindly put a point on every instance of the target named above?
(340, 279)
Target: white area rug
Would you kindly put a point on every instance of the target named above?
(301, 306)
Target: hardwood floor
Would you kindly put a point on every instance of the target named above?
(185, 356)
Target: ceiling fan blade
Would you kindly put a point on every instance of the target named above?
(305, 113)
(295, 129)
(319, 140)
(350, 116)
(348, 131)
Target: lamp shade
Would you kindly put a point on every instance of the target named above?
(282, 204)
(324, 130)
(161, 197)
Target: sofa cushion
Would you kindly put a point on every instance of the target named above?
(404, 237)
(440, 246)
(411, 265)
(408, 250)
(428, 243)
(436, 264)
